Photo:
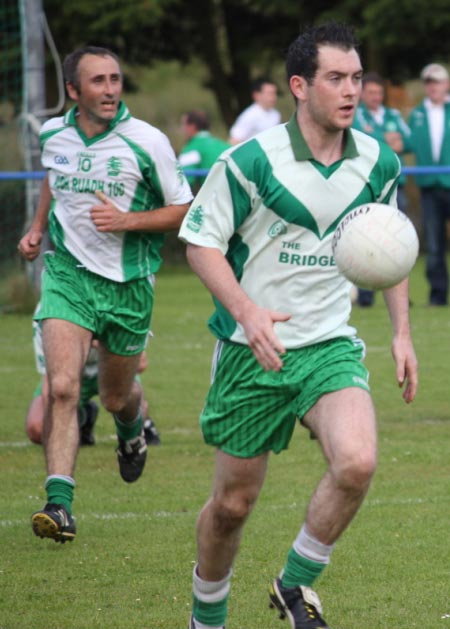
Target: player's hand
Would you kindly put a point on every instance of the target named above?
(106, 216)
(258, 324)
(406, 367)
(30, 245)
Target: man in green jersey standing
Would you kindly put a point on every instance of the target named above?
(113, 188)
(202, 148)
(259, 236)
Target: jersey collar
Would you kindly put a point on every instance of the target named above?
(303, 152)
(70, 118)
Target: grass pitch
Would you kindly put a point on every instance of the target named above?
(130, 565)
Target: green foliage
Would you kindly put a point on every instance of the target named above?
(238, 40)
(131, 563)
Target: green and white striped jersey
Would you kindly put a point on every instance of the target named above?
(271, 208)
(134, 164)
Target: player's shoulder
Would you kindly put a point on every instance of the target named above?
(364, 142)
(135, 126)
(371, 148)
(265, 150)
(53, 124)
(269, 140)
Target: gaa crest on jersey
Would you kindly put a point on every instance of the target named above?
(195, 218)
(114, 166)
(277, 229)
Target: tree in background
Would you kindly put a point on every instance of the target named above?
(237, 39)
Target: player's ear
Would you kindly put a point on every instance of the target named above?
(72, 91)
(298, 85)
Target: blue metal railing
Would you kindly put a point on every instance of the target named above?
(40, 174)
(201, 172)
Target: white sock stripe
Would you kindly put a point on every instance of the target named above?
(68, 479)
(211, 591)
(310, 547)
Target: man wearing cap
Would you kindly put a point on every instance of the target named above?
(430, 141)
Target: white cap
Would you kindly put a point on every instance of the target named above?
(434, 72)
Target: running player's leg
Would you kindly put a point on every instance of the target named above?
(344, 423)
(121, 394)
(237, 484)
(66, 347)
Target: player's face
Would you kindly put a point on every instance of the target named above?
(100, 88)
(372, 96)
(329, 103)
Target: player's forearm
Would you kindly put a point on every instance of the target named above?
(216, 274)
(397, 302)
(40, 219)
(162, 219)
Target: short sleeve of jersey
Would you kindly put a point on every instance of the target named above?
(174, 186)
(210, 220)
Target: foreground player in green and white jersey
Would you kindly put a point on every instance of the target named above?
(259, 236)
(113, 188)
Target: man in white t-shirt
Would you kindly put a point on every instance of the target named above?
(113, 188)
(257, 117)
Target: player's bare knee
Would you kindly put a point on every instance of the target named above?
(354, 472)
(230, 512)
(63, 389)
(113, 403)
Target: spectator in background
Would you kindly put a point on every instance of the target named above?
(259, 116)
(385, 124)
(201, 149)
(430, 141)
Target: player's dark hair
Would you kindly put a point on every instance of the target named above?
(71, 62)
(198, 118)
(302, 54)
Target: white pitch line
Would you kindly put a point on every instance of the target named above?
(106, 439)
(129, 515)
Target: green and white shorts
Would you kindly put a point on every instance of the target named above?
(118, 314)
(249, 411)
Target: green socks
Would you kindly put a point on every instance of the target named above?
(300, 571)
(128, 430)
(60, 491)
(210, 600)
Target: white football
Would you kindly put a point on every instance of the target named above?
(375, 246)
